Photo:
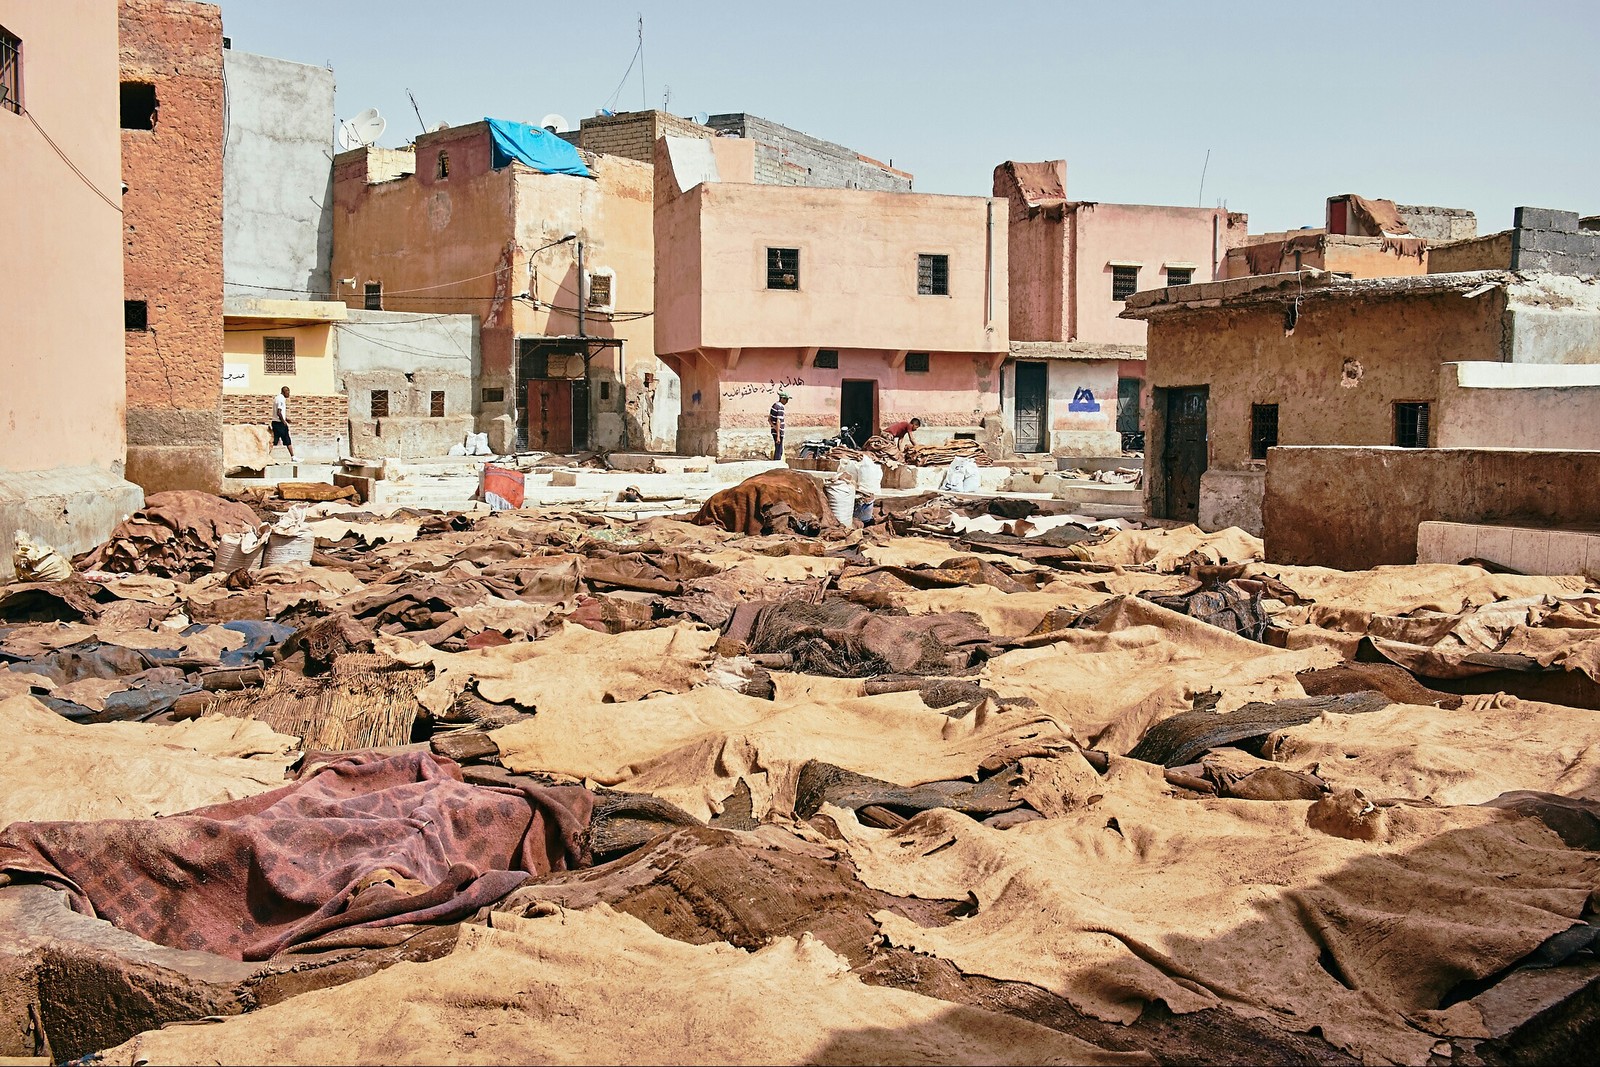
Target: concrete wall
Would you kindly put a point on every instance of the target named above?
(1438, 223)
(1545, 239)
(172, 225)
(277, 177)
(60, 476)
(1231, 498)
(1354, 508)
(788, 157)
(858, 271)
(1081, 406)
(1553, 318)
(1100, 234)
(725, 407)
(411, 357)
(1510, 405)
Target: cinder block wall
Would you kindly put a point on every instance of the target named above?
(789, 157)
(1544, 239)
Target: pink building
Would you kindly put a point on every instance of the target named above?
(62, 387)
(869, 307)
(1072, 386)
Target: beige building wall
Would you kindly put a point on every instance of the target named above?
(62, 378)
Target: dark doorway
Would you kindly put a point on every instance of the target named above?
(1183, 456)
(1033, 407)
(555, 414)
(858, 409)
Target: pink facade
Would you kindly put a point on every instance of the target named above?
(62, 369)
(853, 341)
(1065, 258)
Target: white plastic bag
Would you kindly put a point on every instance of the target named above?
(841, 495)
(36, 562)
(962, 477)
(240, 551)
(290, 540)
(869, 477)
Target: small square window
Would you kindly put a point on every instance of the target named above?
(1124, 282)
(138, 106)
(1411, 424)
(605, 390)
(277, 355)
(1180, 275)
(436, 404)
(135, 315)
(783, 268)
(1263, 429)
(10, 72)
(826, 359)
(495, 395)
(933, 275)
(378, 404)
(916, 363)
(374, 297)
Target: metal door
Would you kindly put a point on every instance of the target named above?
(1184, 457)
(858, 409)
(1033, 407)
(550, 415)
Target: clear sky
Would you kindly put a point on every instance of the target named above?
(1481, 104)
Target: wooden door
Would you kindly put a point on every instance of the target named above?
(1033, 407)
(1184, 456)
(550, 415)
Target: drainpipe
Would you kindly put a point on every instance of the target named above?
(988, 272)
(588, 383)
(1216, 244)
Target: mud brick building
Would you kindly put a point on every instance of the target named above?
(172, 119)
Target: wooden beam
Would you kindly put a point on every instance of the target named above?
(733, 357)
(898, 359)
(807, 356)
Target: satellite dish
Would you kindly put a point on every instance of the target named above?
(441, 126)
(363, 130)
(702, 117)
(555, 123)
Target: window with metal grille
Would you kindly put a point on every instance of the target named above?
(138, 106)
(1411, 424)
(917, 362)
(826, 359)
(1180, 275)
(135, 315)
(10, 72)
(374, 294)
(933, 275)
(443, 170)
(277, 355)
(378, 404)
(436, 404)
(494, 396)
(783, 268)
(1124, 282)
(599, 290)
(1263, 429)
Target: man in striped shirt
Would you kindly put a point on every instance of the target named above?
(775, 424)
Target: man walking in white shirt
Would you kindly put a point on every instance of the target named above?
(280, 423)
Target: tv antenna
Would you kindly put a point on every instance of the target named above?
(361, 131)
(418, 111)
(1200, 201)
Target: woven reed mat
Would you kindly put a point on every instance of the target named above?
(363, 703)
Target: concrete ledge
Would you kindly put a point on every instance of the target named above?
(69, 508)
(159, 468)
(1531, 550)
(1232, 498)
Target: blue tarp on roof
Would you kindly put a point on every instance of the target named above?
(533, 146)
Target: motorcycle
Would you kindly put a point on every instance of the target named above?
(816, 449)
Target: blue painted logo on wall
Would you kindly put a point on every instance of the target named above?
(1083, 400)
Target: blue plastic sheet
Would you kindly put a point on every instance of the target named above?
(533, 146)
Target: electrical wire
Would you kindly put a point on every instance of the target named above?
(387, 292)
(68, 161)
(612, 102)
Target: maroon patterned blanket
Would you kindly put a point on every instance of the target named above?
(363, 841)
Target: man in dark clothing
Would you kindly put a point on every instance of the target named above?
(775, 424)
